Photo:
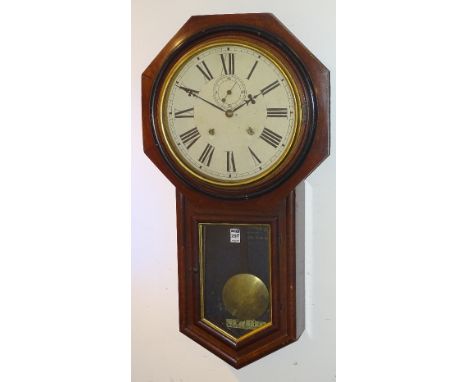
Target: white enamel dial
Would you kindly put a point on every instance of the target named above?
(229, 113)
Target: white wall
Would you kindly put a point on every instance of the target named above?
(159, 351)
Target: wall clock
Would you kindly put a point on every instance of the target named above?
(236, 115)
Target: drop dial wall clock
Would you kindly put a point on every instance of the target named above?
(236, 115)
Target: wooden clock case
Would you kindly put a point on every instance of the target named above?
(271, 201)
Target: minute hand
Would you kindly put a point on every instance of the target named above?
(193, 93)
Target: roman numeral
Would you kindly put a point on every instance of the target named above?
(229, 68)
(277, 112)
(206, 155)
(187, 113)
(231, 165)
(254, 157)
(190, 137)
(271, 137)
(270, 87)
(251, 70)
(206, 72)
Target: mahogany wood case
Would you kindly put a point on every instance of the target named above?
(271, 201)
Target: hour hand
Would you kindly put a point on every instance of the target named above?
(250, 99)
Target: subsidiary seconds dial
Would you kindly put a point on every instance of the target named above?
(229, 112)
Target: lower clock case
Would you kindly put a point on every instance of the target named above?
(240, 282)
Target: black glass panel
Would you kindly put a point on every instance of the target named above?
(235, 277)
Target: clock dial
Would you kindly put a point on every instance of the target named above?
(229, 112)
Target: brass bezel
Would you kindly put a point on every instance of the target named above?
(202, 282)
(168, 83)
